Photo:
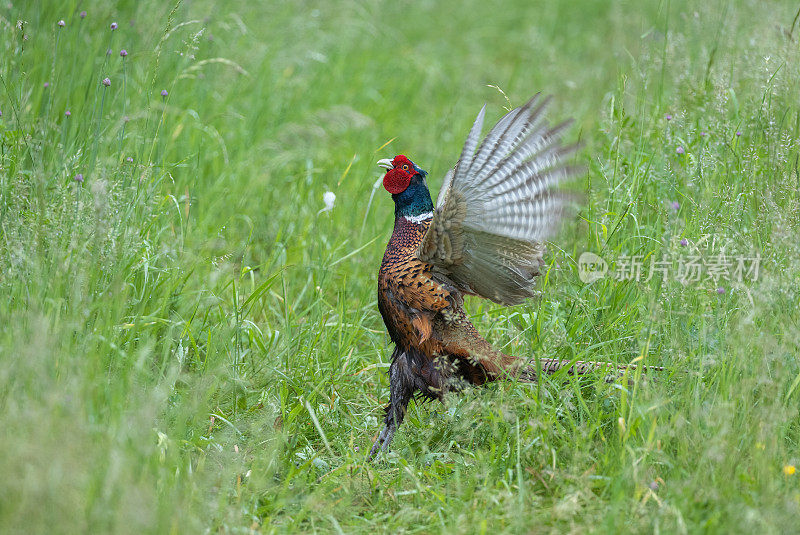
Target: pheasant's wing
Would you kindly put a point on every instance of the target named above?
(498, 205)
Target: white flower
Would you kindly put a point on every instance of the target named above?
(328, 198)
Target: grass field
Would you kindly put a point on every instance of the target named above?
(190, 344)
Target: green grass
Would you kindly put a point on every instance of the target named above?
(188, 345)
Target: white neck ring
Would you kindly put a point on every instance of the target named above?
(418, 218)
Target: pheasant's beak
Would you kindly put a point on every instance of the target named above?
(386, 163)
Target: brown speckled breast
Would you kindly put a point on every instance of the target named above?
(401, 270)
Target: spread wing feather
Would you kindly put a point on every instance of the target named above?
(498, 205)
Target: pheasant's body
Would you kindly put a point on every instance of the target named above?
(427, 320)
(484, 237)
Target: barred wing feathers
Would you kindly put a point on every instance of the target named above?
(498, 205)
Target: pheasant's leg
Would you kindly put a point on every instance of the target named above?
(400, 391)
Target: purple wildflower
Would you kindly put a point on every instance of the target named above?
(67, 113)
(129, 159)
(703, 134)
(1, 113)
(675, 205)
(684, 242)
(123, 52)
(679, 150)
(46, 85)
(78, 178)
(83, 14)
(738, 133)
(668, 117)
(106, 82)
(164, 93)
(113, 26)
(61, 23)
(720, 290)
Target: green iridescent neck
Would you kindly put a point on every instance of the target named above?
(414, 201)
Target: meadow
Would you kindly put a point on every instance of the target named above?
(190, 340)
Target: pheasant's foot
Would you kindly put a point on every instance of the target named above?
(382, 442)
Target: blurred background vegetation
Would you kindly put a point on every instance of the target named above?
(191, 343)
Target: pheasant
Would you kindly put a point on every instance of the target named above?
(484, 237)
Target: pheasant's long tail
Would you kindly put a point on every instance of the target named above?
(579, 367)
(466, 343)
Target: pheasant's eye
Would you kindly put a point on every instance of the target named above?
(405, 167)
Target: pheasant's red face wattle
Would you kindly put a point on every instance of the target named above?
(399, 176)
(396, 181)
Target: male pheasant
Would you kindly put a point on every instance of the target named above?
(484, 237)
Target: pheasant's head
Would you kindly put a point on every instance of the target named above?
(406, 182)
(400, 171)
